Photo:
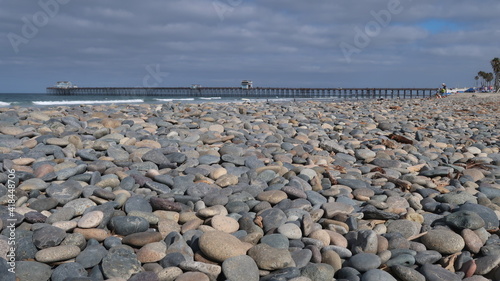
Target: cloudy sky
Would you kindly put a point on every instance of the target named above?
(320, 43)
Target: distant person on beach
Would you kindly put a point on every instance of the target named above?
(441, 92)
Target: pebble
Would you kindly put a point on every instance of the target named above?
(444, 241)
(364, 261)
(91, 219)
(225, 224)
(32, 270)
(319, 272)
(92, 255)
(486, 264)
(290, 230)
(220, 246)
(240, 268)
(48, 236)
(125, 225)
(487, 214)
(437, 273)
(152, 252)
(58, 253)
(465, 220)
(140, 239)
(67, 271)
(406, 273)
(269, 258)
(120, 262)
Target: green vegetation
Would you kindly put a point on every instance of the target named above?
(488, 77)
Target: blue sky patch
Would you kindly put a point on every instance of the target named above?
(437, 26)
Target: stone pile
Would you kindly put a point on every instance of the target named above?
(363, 190)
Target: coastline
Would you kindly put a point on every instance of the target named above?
(308, 189)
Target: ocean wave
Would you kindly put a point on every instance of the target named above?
(67, 102)
(167, 100)
(4, 103)
(212, 98)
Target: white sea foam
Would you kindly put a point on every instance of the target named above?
(212, 98)
(67, 102)
(167, 100)
(4, 103)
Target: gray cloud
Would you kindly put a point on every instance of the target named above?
(274, 43)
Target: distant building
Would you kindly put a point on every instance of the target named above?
(64, 84)
(195, 86)
(246, 84)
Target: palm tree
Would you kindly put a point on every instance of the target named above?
(482, 74)
(495, 64)
(476, 78)
(489, 77)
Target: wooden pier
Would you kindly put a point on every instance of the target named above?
(237, 92)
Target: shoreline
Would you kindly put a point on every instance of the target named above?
(305, 190)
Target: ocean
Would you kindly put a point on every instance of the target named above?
(43, 100)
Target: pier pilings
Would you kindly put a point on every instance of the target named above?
(259, 92)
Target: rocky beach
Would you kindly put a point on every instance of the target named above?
(304, 191)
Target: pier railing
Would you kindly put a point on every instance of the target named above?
(236, 92)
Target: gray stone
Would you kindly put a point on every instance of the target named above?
(269, 258)
(25, 248)
(433, 272)
(156, 156)
(91, 256)
(80, 205)
(44, 204)
(137, 203)
(120, 262)
(302, 257)
(377, 275)
(48, 236)
(487, 214)
(276, 241)
(62, 214)
(65, 192)
(444, 241)
(68, 270)
(32, 271)
(405, 227)
(464, 220)
(406, 273)
(125, 225)
(487, 264)
(272, 218)
(145, 276)
(365, 261)
(318, 272)
(240, 268)
(404, 259)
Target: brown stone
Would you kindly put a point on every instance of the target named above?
(193, 276)
(95, 233)
(272, 196)
(43, 170)
(225, 224)
(166, 226)
(142, 238)
(219, 246)
(165, 204)
(472, 240)
(152, 252)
